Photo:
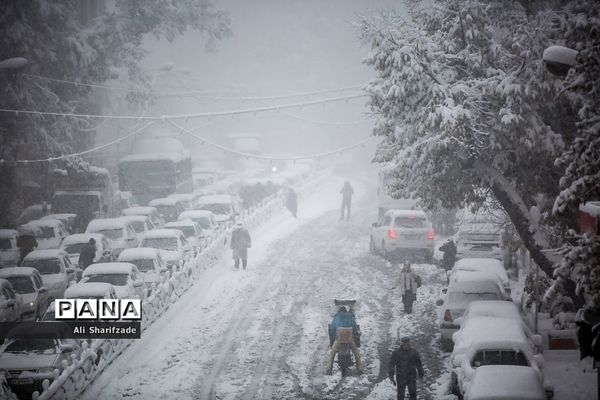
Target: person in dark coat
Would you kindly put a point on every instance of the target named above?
(87, 255)
(405, 364)
(449, 250)
(291, 202)
(347, 192)
(240, 243)
(26, 243)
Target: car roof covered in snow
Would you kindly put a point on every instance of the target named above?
(16, 271)
(461, 276)
(195, 214)
(174, 157)
(161, 233)
(81, 238)
(43, 223)
(180, 223)
(136, 218)
(493, 308)
(44, 254)
(491, 329)
(475, 286)
(100, 224)
(406, 213)
(505, 382)
(215, 198)
(164, 201)
(138, 253)
(109, 268)
(91, 289)
(477, 263)
(59, 216)
(181, 196)
(8, 233)
(141, 210)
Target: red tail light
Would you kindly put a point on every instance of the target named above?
(431, 234)
(392, 234)
(448, 316)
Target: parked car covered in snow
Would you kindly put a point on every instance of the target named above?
(458, 296)
(225, 207)
(68, 219)
(28, 285)
(171, 243)
(403, 232)
(479, 239)
(73, 245)
(204, 218)
(125, 277)
(505, 382)
(29, 360)
(168, 208)
(10, 305)
(489, 266)
(141, 224)
(191, 230)
(9, 252)
(48, 232)
(118, 231)
(55, 267)
(91, 290)
(149, 262)
(150, 212)
(186, 199)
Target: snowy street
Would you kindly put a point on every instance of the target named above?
(262, 333)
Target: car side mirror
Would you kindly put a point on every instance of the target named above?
(439, 303)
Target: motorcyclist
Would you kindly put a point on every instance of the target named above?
(408, 282)
(343, 319)
(449, 250)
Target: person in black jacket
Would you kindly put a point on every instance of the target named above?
(405, 364)
(240, 243)
(87, 255)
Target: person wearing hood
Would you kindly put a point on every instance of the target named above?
(240, 243)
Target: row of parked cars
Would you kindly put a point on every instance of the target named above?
(494, 353)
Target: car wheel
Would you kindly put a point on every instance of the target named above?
(372, 248)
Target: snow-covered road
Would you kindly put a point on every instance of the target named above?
(262, 333)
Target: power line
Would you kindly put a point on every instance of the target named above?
(188, 116)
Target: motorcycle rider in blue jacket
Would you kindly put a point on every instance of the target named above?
(343, 319)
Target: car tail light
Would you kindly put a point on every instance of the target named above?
(392, 234)
(431, 234)
(448, 316)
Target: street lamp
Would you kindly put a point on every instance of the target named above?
(14, 63)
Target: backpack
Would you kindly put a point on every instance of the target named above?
(418, 280)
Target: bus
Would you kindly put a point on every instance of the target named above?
(152, 175)
(385, 201)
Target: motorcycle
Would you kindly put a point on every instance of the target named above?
(345, 337)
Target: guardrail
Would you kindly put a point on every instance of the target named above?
(74, 376)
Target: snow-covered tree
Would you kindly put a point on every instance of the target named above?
(60, 44)
(460, 98)
(581, 160)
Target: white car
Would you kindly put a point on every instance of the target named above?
(73, 245)
(168, 208)
(48, 232)
(206, 219)
(141, 224)
(187, 199)
(149, 262)
(505, 382)
(9, 252)
(11, 306)
(191, 230)
(457, 297)
(118, 231)
(91, 290)
(28, 285)
(485, 266)
(150, 212)
(171, 243)
(68, 220)
(55, 267)
(125, 277)
(225, 207)
(479, 239)
(503, 345)
(403, 233)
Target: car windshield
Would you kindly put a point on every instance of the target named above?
(112, 234)
(217, 208)
(21, 284)
(48, 316)
(138, 226)
(113, 279)
(143, 265)
(188, 231)
(168, 243)
(410, 222)
(28, 345)
(5, 244)
(75, 248)
(462, 297)
(499, 357)
(44, 267)
(46, 232)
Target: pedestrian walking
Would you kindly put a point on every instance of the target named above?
(347, 192)
(240, 243)
(26, 243)
(87, 255)
(291, 202)
(405, 365)
(408, 282)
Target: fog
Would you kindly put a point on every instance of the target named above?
(276, 48)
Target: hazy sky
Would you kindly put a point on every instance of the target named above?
(276, 47)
